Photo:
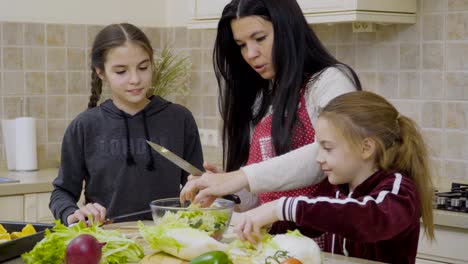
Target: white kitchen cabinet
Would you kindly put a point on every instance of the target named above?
(205, 13)
(450, 246)
(12, 208)
(36, 208)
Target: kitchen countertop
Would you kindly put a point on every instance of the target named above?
(41, 181)
(29, 181)
(131, 230)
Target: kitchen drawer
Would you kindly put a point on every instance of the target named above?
(12, 208)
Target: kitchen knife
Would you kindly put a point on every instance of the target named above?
(186, 166)
(121, 218)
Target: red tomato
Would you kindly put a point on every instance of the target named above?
(291, 261)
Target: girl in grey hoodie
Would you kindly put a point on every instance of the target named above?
(105, 146)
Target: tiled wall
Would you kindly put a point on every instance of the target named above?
(421, 68)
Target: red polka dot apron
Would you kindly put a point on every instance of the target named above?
(261, 149)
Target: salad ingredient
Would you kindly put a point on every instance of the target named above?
(178, 240)
(212, 257)
(296, 245)
(52, 248)
(84, 248)
(291, 261)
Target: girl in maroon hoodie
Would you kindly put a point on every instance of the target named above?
(377, 164)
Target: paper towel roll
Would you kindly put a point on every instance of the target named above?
(9, 140)
(26, 148)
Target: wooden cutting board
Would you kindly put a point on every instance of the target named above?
(162, 258)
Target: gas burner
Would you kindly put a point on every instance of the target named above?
(456, 200)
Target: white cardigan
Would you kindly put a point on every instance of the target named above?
(298, 168)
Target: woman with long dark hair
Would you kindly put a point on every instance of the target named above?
(274, 75)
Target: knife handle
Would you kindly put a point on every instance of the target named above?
(232, 197)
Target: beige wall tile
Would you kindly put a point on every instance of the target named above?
(210, 84)
(387, 33)
(55, 129)
(457, 26)
(196, 83)
(211, 123)
(13, 34)
(434, 141)
(56, 106)
(194, 38)
(457, 115)
(55, 35)
(433, 56)
(387, 84)
(56, 59)
(12, 107)
(34, 59)
(345, 54)
(457, 170)
(35, 83)
(432, 85)
(365, 37)
(388, 57)
(433, 27)
(411, 109)
(181, 38)
(36, 106)
(208, 38)
(76, 59)
(368, 81)
(91, 32)
(432, 117)
(76, 36)
(409, 85)
(325, 33)
(53, 153)
(457, 85)
(154, 35)
(194, 104)
(41, 133)
(76, 83)
(207, 58)
(196, 59)
(409, 56)
(366, 57)
(409, 33)
(13, 83)
(34, 34)
(12, 58)
(210, 106)
(457, 5)
(433, 5)
(457, 145)
(454, 58)
(76, 105)
(56, 83)
(344, 33)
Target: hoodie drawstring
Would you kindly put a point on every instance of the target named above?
(150, 164)
(130, 159)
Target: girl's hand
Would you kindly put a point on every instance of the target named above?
(95, 211)
(251, 222)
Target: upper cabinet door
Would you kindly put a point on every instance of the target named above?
(205, 13)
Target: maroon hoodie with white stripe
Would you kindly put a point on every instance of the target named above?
(379, 220)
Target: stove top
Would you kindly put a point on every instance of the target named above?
(456, 200)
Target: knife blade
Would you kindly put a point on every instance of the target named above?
(180, 162)
(119, 218)
(186, 166)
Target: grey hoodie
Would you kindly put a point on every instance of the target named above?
(106, 148)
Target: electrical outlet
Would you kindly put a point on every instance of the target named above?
(211, 137)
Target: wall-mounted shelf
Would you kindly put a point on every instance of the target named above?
(205, 13)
